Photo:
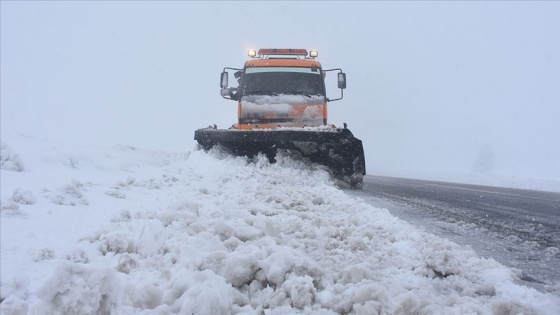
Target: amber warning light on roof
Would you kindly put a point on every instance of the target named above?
(282, 51)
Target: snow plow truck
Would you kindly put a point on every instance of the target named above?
(282, 105)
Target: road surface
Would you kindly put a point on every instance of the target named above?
(518, 228)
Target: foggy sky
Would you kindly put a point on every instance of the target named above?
(433, 87)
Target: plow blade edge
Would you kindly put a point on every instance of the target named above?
(337, 149)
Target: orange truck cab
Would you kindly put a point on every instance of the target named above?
(280, 88)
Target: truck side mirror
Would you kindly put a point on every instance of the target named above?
(224, 80)
(341, 80)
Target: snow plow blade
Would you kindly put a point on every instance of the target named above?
(336, 148)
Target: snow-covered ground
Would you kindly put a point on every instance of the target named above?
(118, 229)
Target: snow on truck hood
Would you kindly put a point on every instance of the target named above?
(89, 230)
(282, 99)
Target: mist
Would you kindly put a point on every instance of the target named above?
(434, 88)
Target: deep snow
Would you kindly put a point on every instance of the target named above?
(122, 230)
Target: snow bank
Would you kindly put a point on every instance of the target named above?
(198, 233)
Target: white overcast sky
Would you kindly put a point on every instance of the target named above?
(432, 86)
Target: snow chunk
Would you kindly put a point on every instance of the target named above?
(45, 254)
(146, 295)
(115, 242)
(70, 195)
(126, 264)
(78, 256)
(511, 307)
(151, 239)
(206, 293)
(10, 208)
(14, 306)
(442, 259)
(9, 160)
(78, 289)
(284, 262)
(23, 197)
(300, 290)
(241, 265)
(115, 194)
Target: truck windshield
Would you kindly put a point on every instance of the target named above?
(282, 80)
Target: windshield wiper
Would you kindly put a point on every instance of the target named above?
(261, 93)
(303, 94)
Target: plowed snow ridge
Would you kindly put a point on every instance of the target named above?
(121, 230)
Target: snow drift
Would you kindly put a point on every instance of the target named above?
(121, 230)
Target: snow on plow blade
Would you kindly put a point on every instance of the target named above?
(336, 149)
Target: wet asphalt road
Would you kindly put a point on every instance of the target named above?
(518, 228)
